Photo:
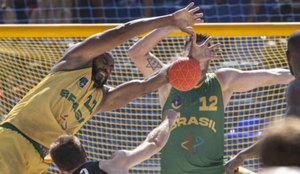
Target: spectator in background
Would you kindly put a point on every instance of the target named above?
(147, 7)
(255, 8)
(7, 13)
(283, 10)
(286, 11)
(23, 9)
(280, 148)
(52, 11)
(88, 11)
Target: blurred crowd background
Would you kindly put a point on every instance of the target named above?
(119, 11)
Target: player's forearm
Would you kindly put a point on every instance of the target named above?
(160, 135)
(148, 85)
(156, 80)
(153, 82)
(147, 43)
(154, 142)
(249, 152)
(281, 76)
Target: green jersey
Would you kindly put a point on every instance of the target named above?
(196, 143)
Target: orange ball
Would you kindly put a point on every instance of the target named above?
(184, 74)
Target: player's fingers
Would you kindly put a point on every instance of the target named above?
(215, 46)
(198, 21)
(207, 40)
(190, 5)
(194, 9)
(198, 15)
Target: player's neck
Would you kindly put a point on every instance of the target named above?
(203, 77)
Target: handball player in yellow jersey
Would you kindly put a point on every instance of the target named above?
(74, 90)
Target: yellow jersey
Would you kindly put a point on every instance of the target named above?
(60, 104)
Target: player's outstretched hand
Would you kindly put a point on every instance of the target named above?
(171, 115)
(203, 52)
(185, 18)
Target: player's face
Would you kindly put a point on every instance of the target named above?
(102, 68)
(203, 65)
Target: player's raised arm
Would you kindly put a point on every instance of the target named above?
(241, 81)
(154, 142)
(81, 54)
(140, 52)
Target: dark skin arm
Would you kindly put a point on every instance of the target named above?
(82, 54)
(124, 93)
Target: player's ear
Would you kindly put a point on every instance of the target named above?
(85, 155)
(287, 53)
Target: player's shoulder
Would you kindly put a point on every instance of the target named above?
(225, 75)
(90, 168)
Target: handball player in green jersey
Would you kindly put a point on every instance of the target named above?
(196, 144)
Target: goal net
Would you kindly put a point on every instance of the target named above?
(28, 52)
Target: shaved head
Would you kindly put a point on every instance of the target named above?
(294, 42)
(293, 53)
